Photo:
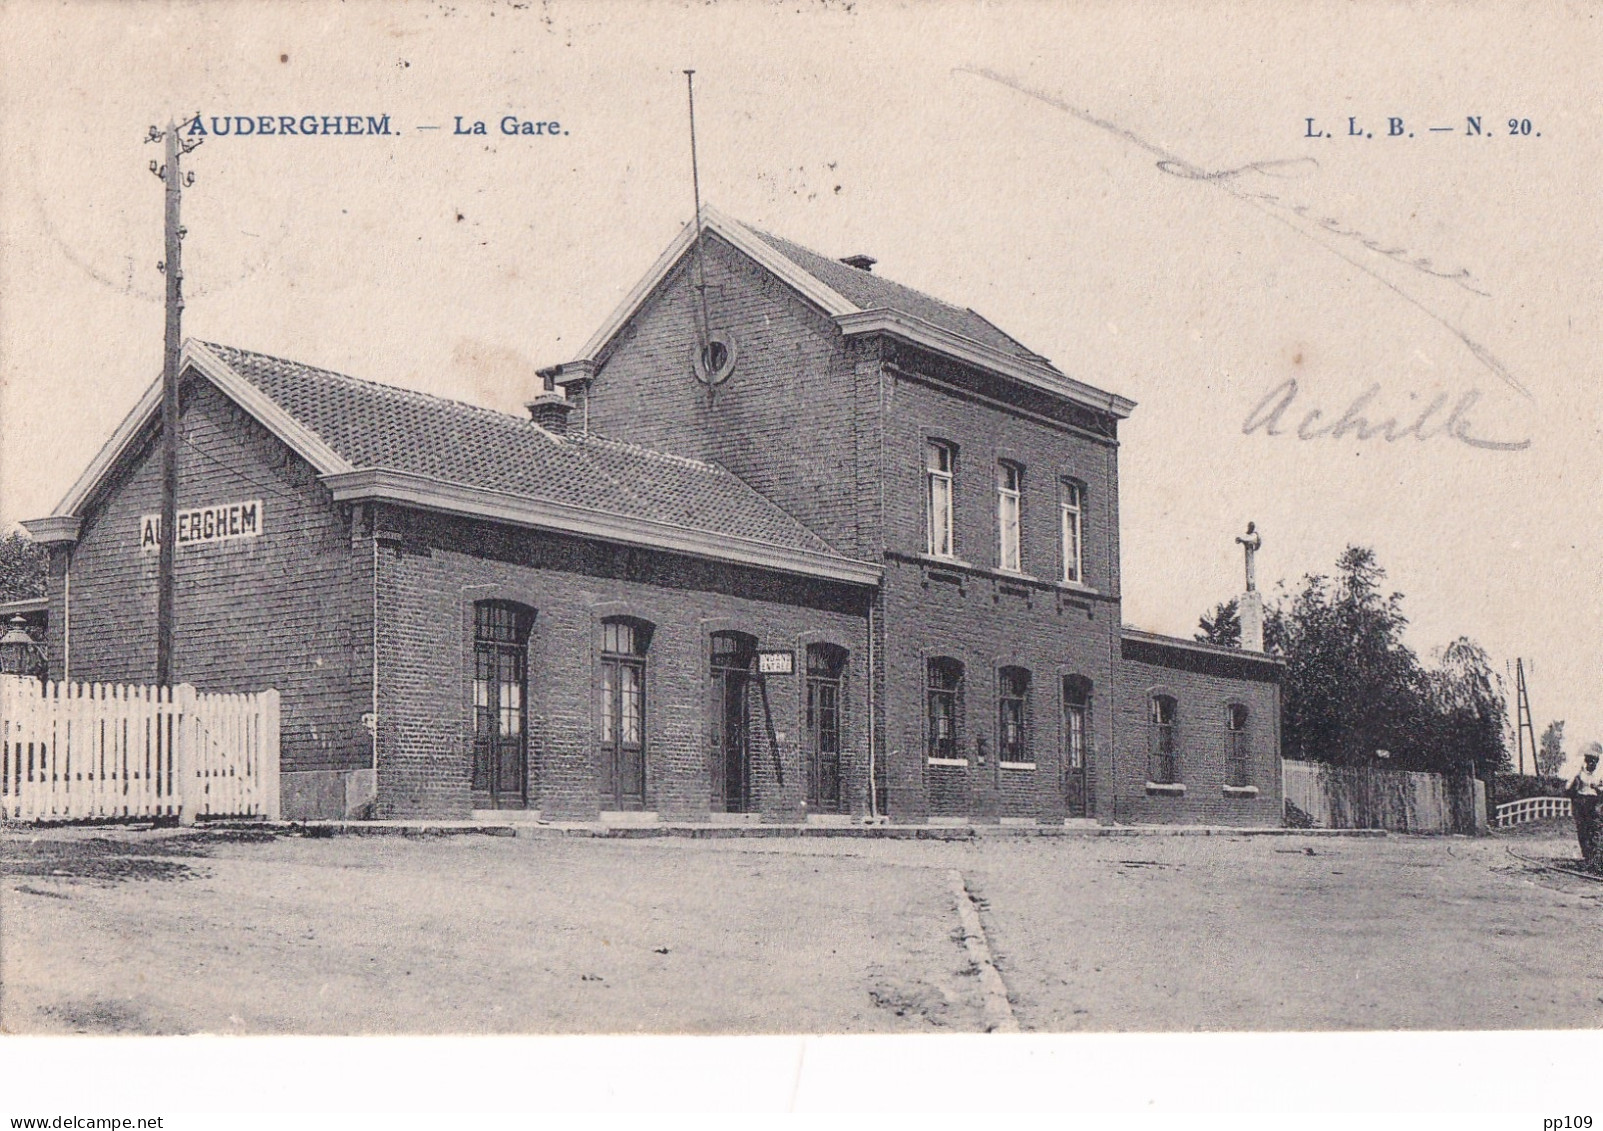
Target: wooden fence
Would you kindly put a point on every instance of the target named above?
(1365, 797)
(78, 751)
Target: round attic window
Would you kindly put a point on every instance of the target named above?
(715, 361)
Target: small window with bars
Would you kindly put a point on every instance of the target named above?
(1238, 755)
(1012, 731)
(1163, 763)
(945, 691)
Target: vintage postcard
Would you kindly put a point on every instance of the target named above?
(713, 522)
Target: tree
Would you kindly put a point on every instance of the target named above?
(24, 567)
(1353, 688)
(1470, 712)
(1550, 753)
(1223, 627)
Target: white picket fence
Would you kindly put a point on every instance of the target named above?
(78, 751)
(1512, 813)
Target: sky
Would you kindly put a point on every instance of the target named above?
(1135, 191)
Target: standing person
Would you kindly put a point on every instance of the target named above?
(1585, 791)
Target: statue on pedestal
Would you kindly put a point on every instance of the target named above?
(1252, 540)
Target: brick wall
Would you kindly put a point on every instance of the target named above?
(280, 610)
(987, 623)
(795, 417)
(982, 617)
(818, 424)
(432, 571)
(1202, 696)
(918, 411)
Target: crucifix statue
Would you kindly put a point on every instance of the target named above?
(1252, 540)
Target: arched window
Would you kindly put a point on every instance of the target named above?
(1012, 708)
(500, 658)
(945, 699)
(1163, 765)
(622, 710)
(1238, 757)
(826, 665)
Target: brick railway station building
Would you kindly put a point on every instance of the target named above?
(820, 544)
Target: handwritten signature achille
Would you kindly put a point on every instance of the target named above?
(1361, 422)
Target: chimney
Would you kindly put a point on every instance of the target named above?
(861, 262)
(550, 411)
(578, 392)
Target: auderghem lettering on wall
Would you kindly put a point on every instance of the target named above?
(221, 523)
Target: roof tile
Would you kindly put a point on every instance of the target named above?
(381, 426)
(868, 291)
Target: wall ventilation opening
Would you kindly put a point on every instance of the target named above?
(715, 361)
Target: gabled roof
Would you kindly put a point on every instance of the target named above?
(381, 442)
(868, 291)
(860, 303)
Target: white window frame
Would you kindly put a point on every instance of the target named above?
(1009, 516)
(1071, 514)
(940, 482)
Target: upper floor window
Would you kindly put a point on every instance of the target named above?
(1009, 486)
(940, 464)
(1163, 763)
(1238, 763)
(1071, 508)
(1013, 744)
(945, 691)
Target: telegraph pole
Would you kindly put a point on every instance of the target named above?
(1524, 725)
(172, 267)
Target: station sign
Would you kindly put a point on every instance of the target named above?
(223, 522)
(776, 663)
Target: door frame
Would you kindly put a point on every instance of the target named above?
(720, 798)
(1085, 806)
(811, 750)
(612, 752)
(516, 650)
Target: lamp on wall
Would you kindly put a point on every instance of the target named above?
(19, 653)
